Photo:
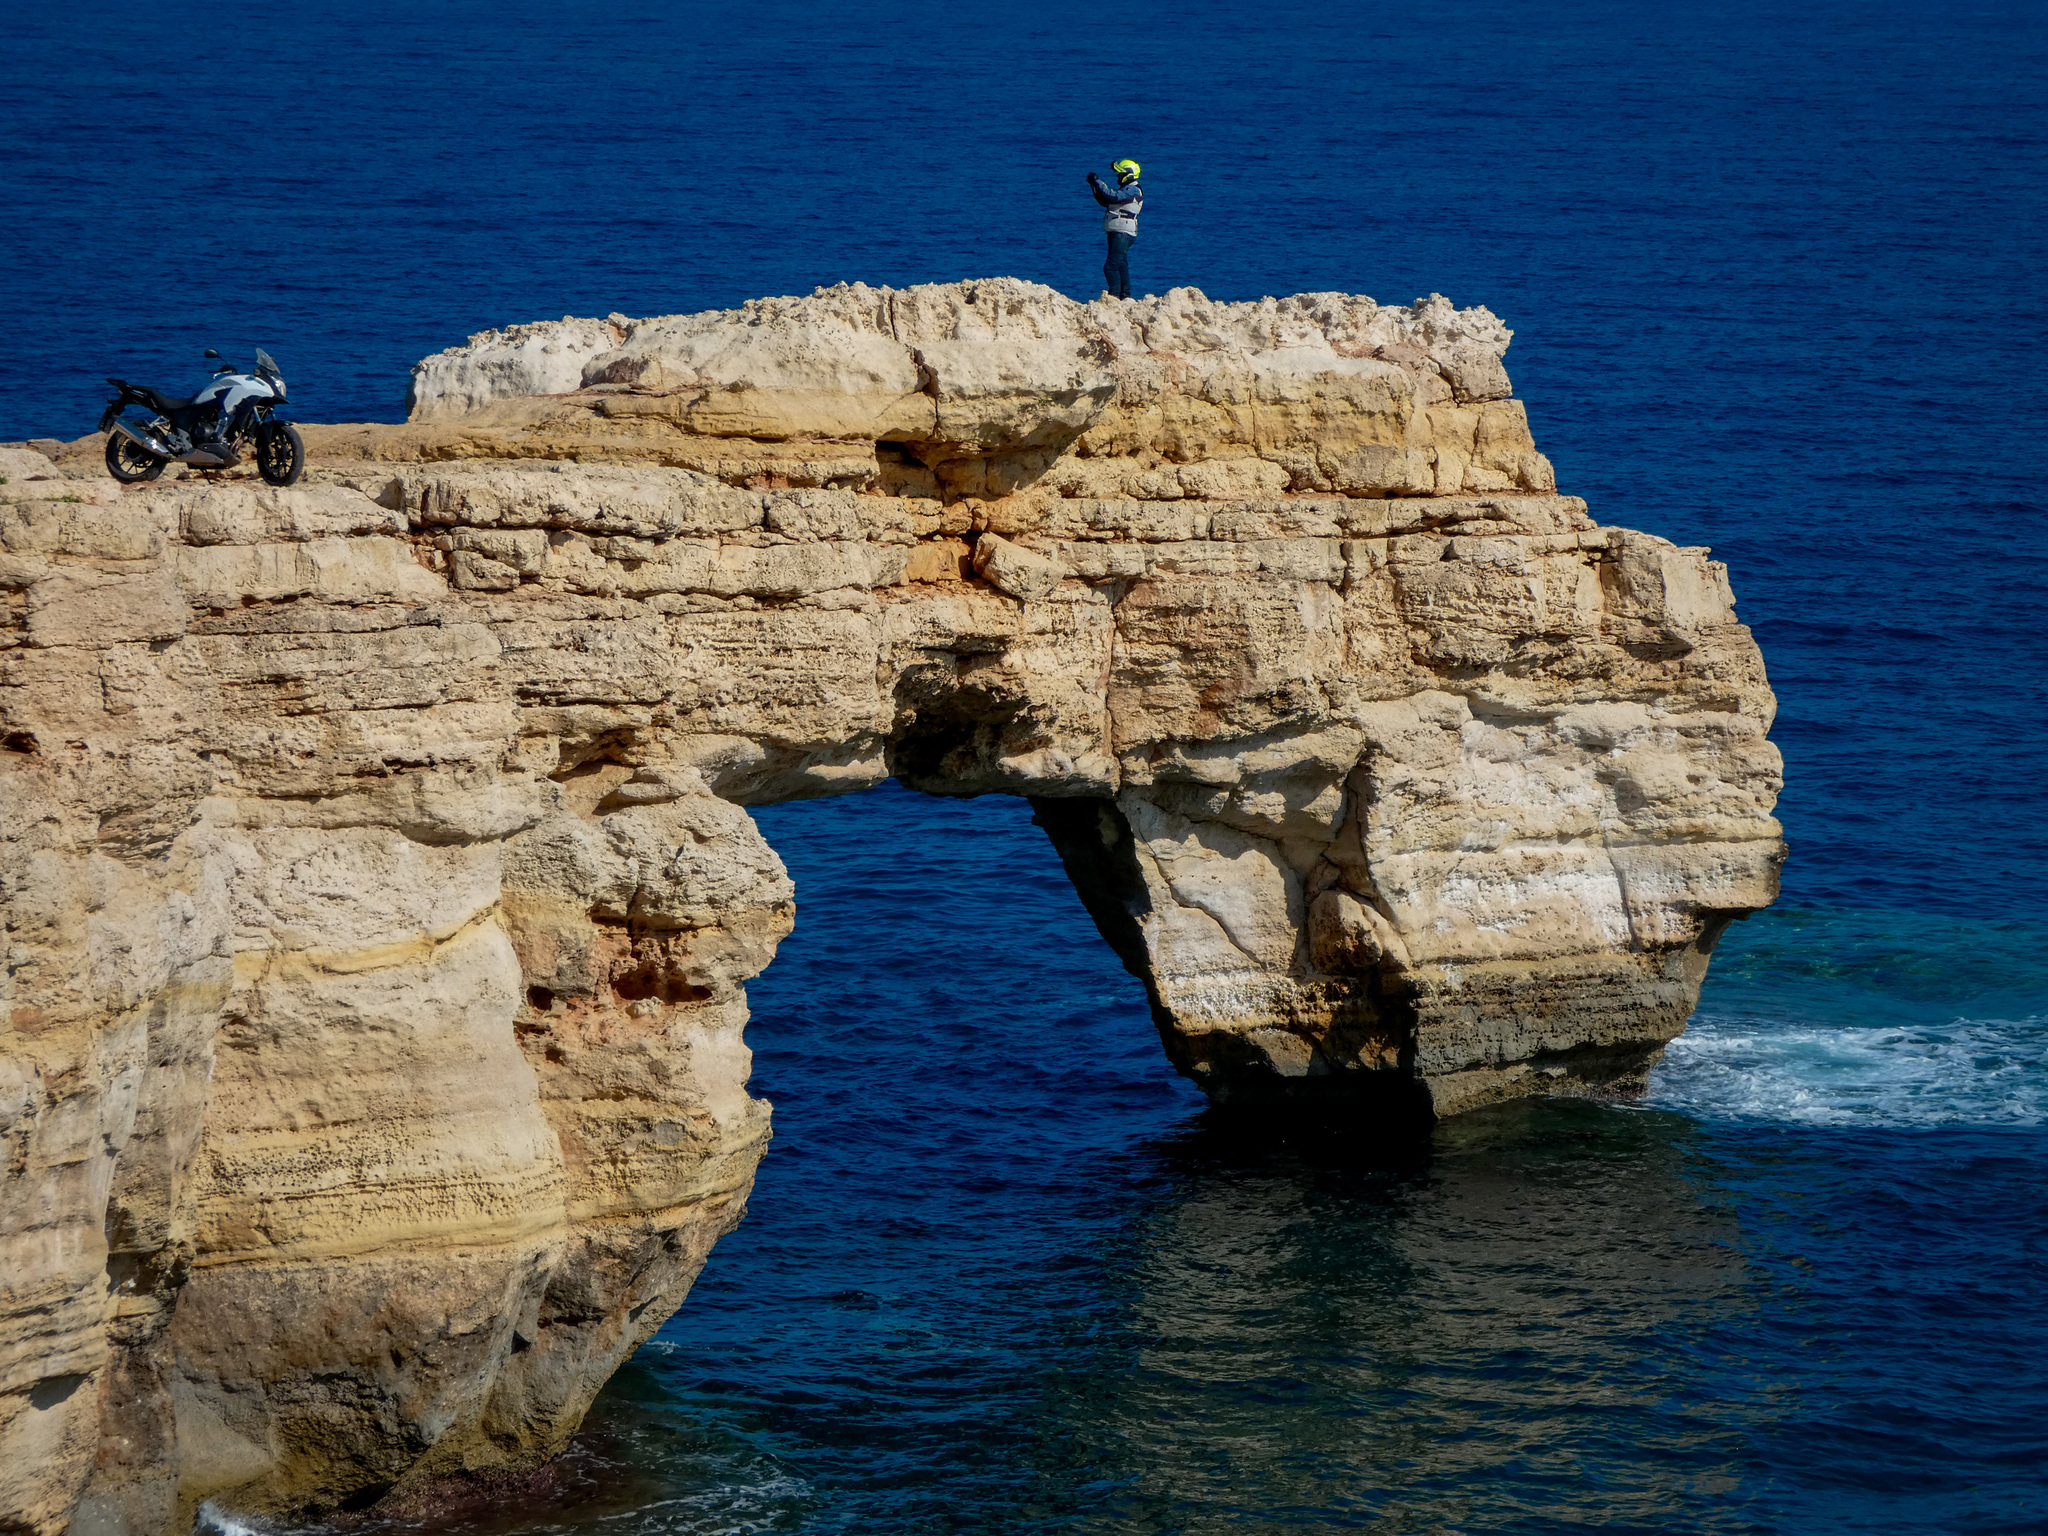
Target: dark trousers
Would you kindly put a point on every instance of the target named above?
(1116, 270)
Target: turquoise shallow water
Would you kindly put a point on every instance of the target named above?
(1774, 273)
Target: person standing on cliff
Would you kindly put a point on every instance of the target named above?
(1122, 204)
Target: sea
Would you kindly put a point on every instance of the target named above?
(1775, 273)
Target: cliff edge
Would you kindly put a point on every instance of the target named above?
(380, 896)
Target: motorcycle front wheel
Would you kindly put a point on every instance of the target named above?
(129, 462)
(280, 453)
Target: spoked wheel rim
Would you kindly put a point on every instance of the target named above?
(131, 461)
(277, 455)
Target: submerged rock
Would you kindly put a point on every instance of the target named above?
(381, 900)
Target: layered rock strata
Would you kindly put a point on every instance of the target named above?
(380, 896)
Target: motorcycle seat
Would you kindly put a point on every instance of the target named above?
(155, 399)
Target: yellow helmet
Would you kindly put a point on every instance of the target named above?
(1126, 170)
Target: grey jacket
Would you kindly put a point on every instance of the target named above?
(1122, 205)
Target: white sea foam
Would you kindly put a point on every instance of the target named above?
(735, 1505)
(715, 1507)
(1968, 1072)
(734, 1509)
(216, 1521)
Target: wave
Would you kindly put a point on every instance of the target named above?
(1979, 1072)
(716, 1509)
(212, 1520)
(698, 1499)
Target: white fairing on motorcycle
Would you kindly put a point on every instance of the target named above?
(232, 388)
(229, 390)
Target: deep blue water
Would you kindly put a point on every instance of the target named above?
(1775, 276)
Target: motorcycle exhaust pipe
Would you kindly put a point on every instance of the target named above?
(135, 434)
(198, 458)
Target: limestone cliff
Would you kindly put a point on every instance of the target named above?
(380, 896)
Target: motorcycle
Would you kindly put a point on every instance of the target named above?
(236, 410)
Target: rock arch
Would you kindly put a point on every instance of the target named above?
(382, 895)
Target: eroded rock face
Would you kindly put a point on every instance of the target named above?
(380, 895)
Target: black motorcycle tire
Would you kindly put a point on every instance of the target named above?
(131, 463)
(280, 453)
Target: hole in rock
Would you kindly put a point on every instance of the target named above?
(949, 730)
(651, 980)
(363, 1498)
(968, 1096)
(540, 999)
(54, 1390)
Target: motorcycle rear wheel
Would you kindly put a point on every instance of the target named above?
(280, 453)
(129, 462)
